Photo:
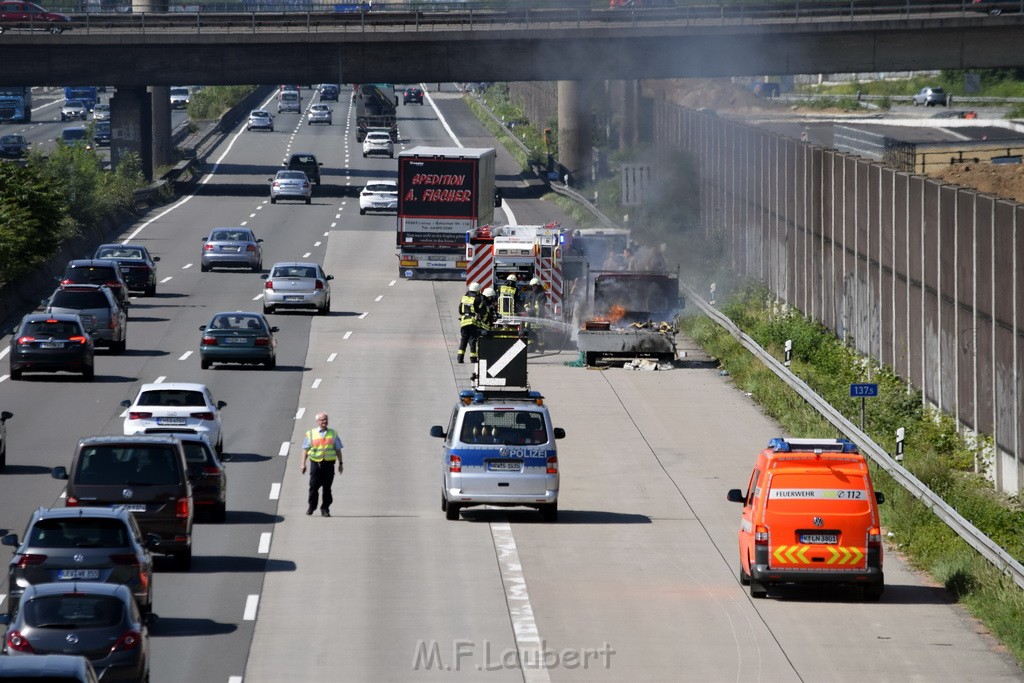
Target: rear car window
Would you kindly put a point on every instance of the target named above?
(834, 491)
(116, 252)
(294, 271)
(515, 427)
(151, 465)
(289, 96)
(79, 300)
(229, 236)
(97, 274)
(196, 453)
(52, 329)
(78, 532)
(172, 398)
(74, 611)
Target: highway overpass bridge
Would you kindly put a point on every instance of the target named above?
(136, 51)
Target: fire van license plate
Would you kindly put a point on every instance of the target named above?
(819, 539)
(503, 466)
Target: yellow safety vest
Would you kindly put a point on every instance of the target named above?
(321, 447)
(507, 300)
(467, 316)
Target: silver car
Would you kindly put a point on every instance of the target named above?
(73, 109)
(290, 185)
(297, 285)
(101, 314)
(101, 112)
(260, 119)
(930, 97)
(320, 113)
(232, 247)
(378, 195)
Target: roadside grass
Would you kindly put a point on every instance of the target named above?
(935, 452)
(212, 102)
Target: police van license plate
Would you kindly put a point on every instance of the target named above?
(819, 539)
(504, 466)
(70, 574)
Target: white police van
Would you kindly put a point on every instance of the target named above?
(499, 446)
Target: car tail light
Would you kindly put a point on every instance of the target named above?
(28, 560)
(454, 463)
(874, 537)
(124, 558)
(553, 464)
(209, 341)
(26, 340)
(262, 341)
(135, 415)
(112, 324)
(319, 284)
(269, 285)
(114, 285)
(78, 338)
(181, 508)
(211, 471)
(207, 247)
(70, 502)
(129, 640)
(67, 281)
(760, 535)
(251, 247)
(16, 641)
(202, 416)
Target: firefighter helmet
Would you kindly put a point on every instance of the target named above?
(474, 286)
(489, 292)
(534, 281)
(511, 278)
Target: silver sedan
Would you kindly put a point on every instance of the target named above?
(320, 113)
(297, 285)
(232, 247)
(291, 185)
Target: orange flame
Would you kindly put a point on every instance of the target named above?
(616, 312)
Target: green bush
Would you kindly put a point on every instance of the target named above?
(33, 219)
(212, 102)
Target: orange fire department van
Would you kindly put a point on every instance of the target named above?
(810, 515)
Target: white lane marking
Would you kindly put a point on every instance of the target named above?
(185, 355)
(264, 546)
(275, 491)
(338, 216)
(259, 208)
(3, 596)
(317, 243)
(234, 679)
(251, 604)
(257, 297)
(520, 611)
(252, 215)
(334, 225)
(167, 279)
(160, 379)
(4, 377)
(244, 223)
(330, 358)
(186, 266)
(363, 315)
(327, 234)
(124, 413)
(392, 283)
(5, 351)
(284, 448)
(307, 254)
(315, 384)
(347, 335)
(379, 298)
(299, 413)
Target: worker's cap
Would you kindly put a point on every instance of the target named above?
(489, 291)
(511, 278)
(474, 286)
(534, 281)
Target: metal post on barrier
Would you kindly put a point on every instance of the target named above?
(901, 434)
(789, 352)
(711, 299)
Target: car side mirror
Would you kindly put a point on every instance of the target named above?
(202, 328)
(11, 540)
(5, 416)
(204, 239)
(437, 431)
(221, 404)
(127, 303)
(274, 329)
(125, 403)
(269, 178)
(329, 277)
(152, 541)
(559, 433)
(735, 496)
(59, 472)
(879, 497)
(265, 276)
(259, 239)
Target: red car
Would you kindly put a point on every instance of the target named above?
(27, 15)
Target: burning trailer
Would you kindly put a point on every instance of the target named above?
(632, 315)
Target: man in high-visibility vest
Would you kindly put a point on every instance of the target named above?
(507, 297)
(322, 448)
(468, 309)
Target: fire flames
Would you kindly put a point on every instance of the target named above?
(615, 314)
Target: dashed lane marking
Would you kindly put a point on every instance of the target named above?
(252, 603)
(284, 448)
(264, 546)
(275, 491)
(185, 355)
(347, 335)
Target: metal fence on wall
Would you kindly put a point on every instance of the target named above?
(922, 275)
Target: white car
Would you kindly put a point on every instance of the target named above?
(379, 195)
(101, 112)
(320, 113)
(175, 407)
(378, 142)
(180, 98)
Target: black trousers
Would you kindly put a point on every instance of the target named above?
(321, 475)
(470, 333)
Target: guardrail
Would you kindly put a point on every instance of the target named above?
(256, 17)
(991, 551)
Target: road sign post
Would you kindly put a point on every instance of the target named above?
(863, 391)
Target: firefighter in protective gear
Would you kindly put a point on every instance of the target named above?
(533, 307)
(507, 297)
(470, 332)
(487, 314)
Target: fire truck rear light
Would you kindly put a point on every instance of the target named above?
(760, 535)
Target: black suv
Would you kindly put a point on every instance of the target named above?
(97, 272)
(305, 161)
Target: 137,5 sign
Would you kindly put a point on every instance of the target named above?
(862, 390)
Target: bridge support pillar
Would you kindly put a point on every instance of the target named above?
(575, 128)
(131, 127)
(161, 96)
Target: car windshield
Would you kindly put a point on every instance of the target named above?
(12, 139)
(294, 271)
(514, 427)
(138, 465)
(378, 137)
(171, 398)
(119, 253)
(70, 134)
(74, 103)
(230, 236)
(237, 322)
(78, 532)
(179, 91)
(58, 329)
(289, 96)
(74, 610)
(91, 298)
